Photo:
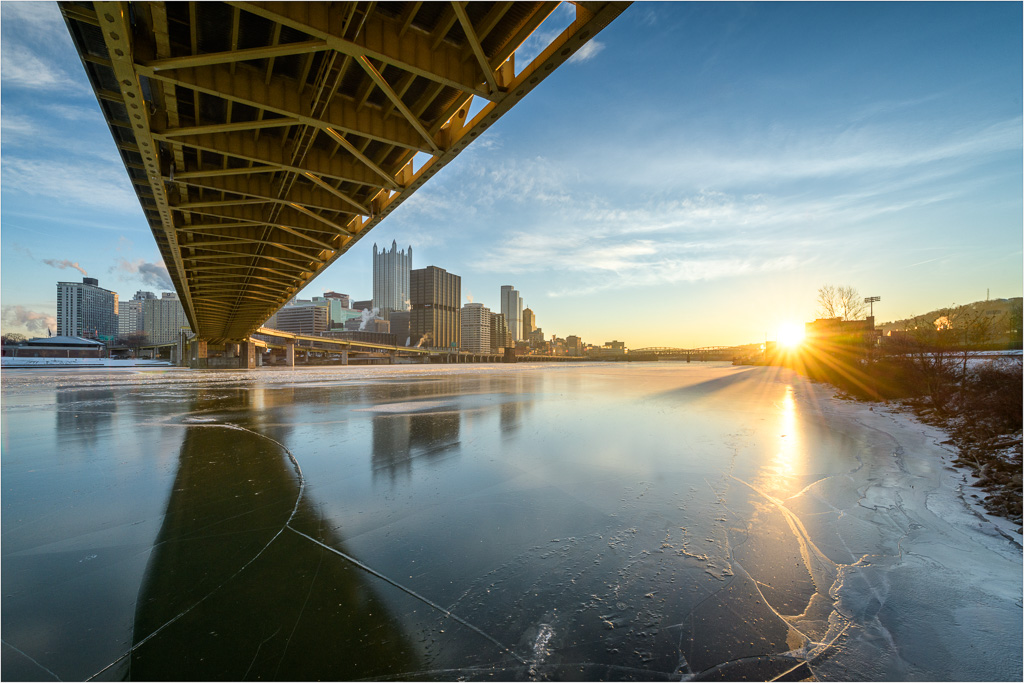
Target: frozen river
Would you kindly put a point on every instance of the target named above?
(588, 521)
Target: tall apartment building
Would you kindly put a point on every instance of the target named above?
(130, 313)
(476, 328)
(163, 318)
(500, 337)
(391, 279)
(84, 309)
(512, 309)
(434, 319)
(529, 322)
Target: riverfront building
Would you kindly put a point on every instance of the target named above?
(500, 337)
(529, 322)
(512, 309)
(400, 326)
(476, 328)
(391, 279)
(130, 313)
(163, 318)
(308, 319)
(84, 309)
(434, 320)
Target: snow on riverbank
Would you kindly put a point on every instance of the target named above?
(953, 581)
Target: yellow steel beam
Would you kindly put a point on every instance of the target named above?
(250, 214)
(209, 58)
(226, 127)
(413, 120)
(340, 230)
(474, 44)
(379, 39)
(389, 182)
(225, 239)
(336, 192)
(287, 99)
(261, 188)
(216, 173)
(301, 269)
(267, 152)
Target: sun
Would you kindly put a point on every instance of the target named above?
(790, 334)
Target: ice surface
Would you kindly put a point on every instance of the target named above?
(650, 521)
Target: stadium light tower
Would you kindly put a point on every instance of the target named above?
(871, 302)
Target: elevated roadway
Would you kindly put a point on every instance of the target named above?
(264, 139)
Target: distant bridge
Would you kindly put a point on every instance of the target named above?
(264, 139)
(703, 353)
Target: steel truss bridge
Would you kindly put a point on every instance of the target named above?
(264, 139)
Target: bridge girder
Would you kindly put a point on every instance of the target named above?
(265, 138)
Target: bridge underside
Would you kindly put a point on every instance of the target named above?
(265, 138)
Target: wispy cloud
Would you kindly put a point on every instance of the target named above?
(34, 322)
(97, 185)
(23, 67)
(780, 156)
(587, 52)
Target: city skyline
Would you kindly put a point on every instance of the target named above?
(695, 191)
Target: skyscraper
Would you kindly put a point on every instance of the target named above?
(391, 279)
(84, 309)
(476, 328)
(529, 322)
(500, 338)
(512, 309)
(434, 320)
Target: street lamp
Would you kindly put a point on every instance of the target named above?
(871, 302)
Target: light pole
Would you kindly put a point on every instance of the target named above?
(871, 302)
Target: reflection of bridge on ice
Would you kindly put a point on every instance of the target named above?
(704, 353)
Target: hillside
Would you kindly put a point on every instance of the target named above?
(1005, 312)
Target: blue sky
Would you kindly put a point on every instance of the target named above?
(691, 181)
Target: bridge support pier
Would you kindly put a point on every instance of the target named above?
(247, 360)
(181, 352)
(198, 354)
(289, 355)
(344, 356)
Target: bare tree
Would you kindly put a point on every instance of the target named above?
(843, 302)
(134, 341)
(13, 338)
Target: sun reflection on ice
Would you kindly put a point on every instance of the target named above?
(777, 476)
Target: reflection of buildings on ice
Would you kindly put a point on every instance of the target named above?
(82, 414)
(399, 439)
